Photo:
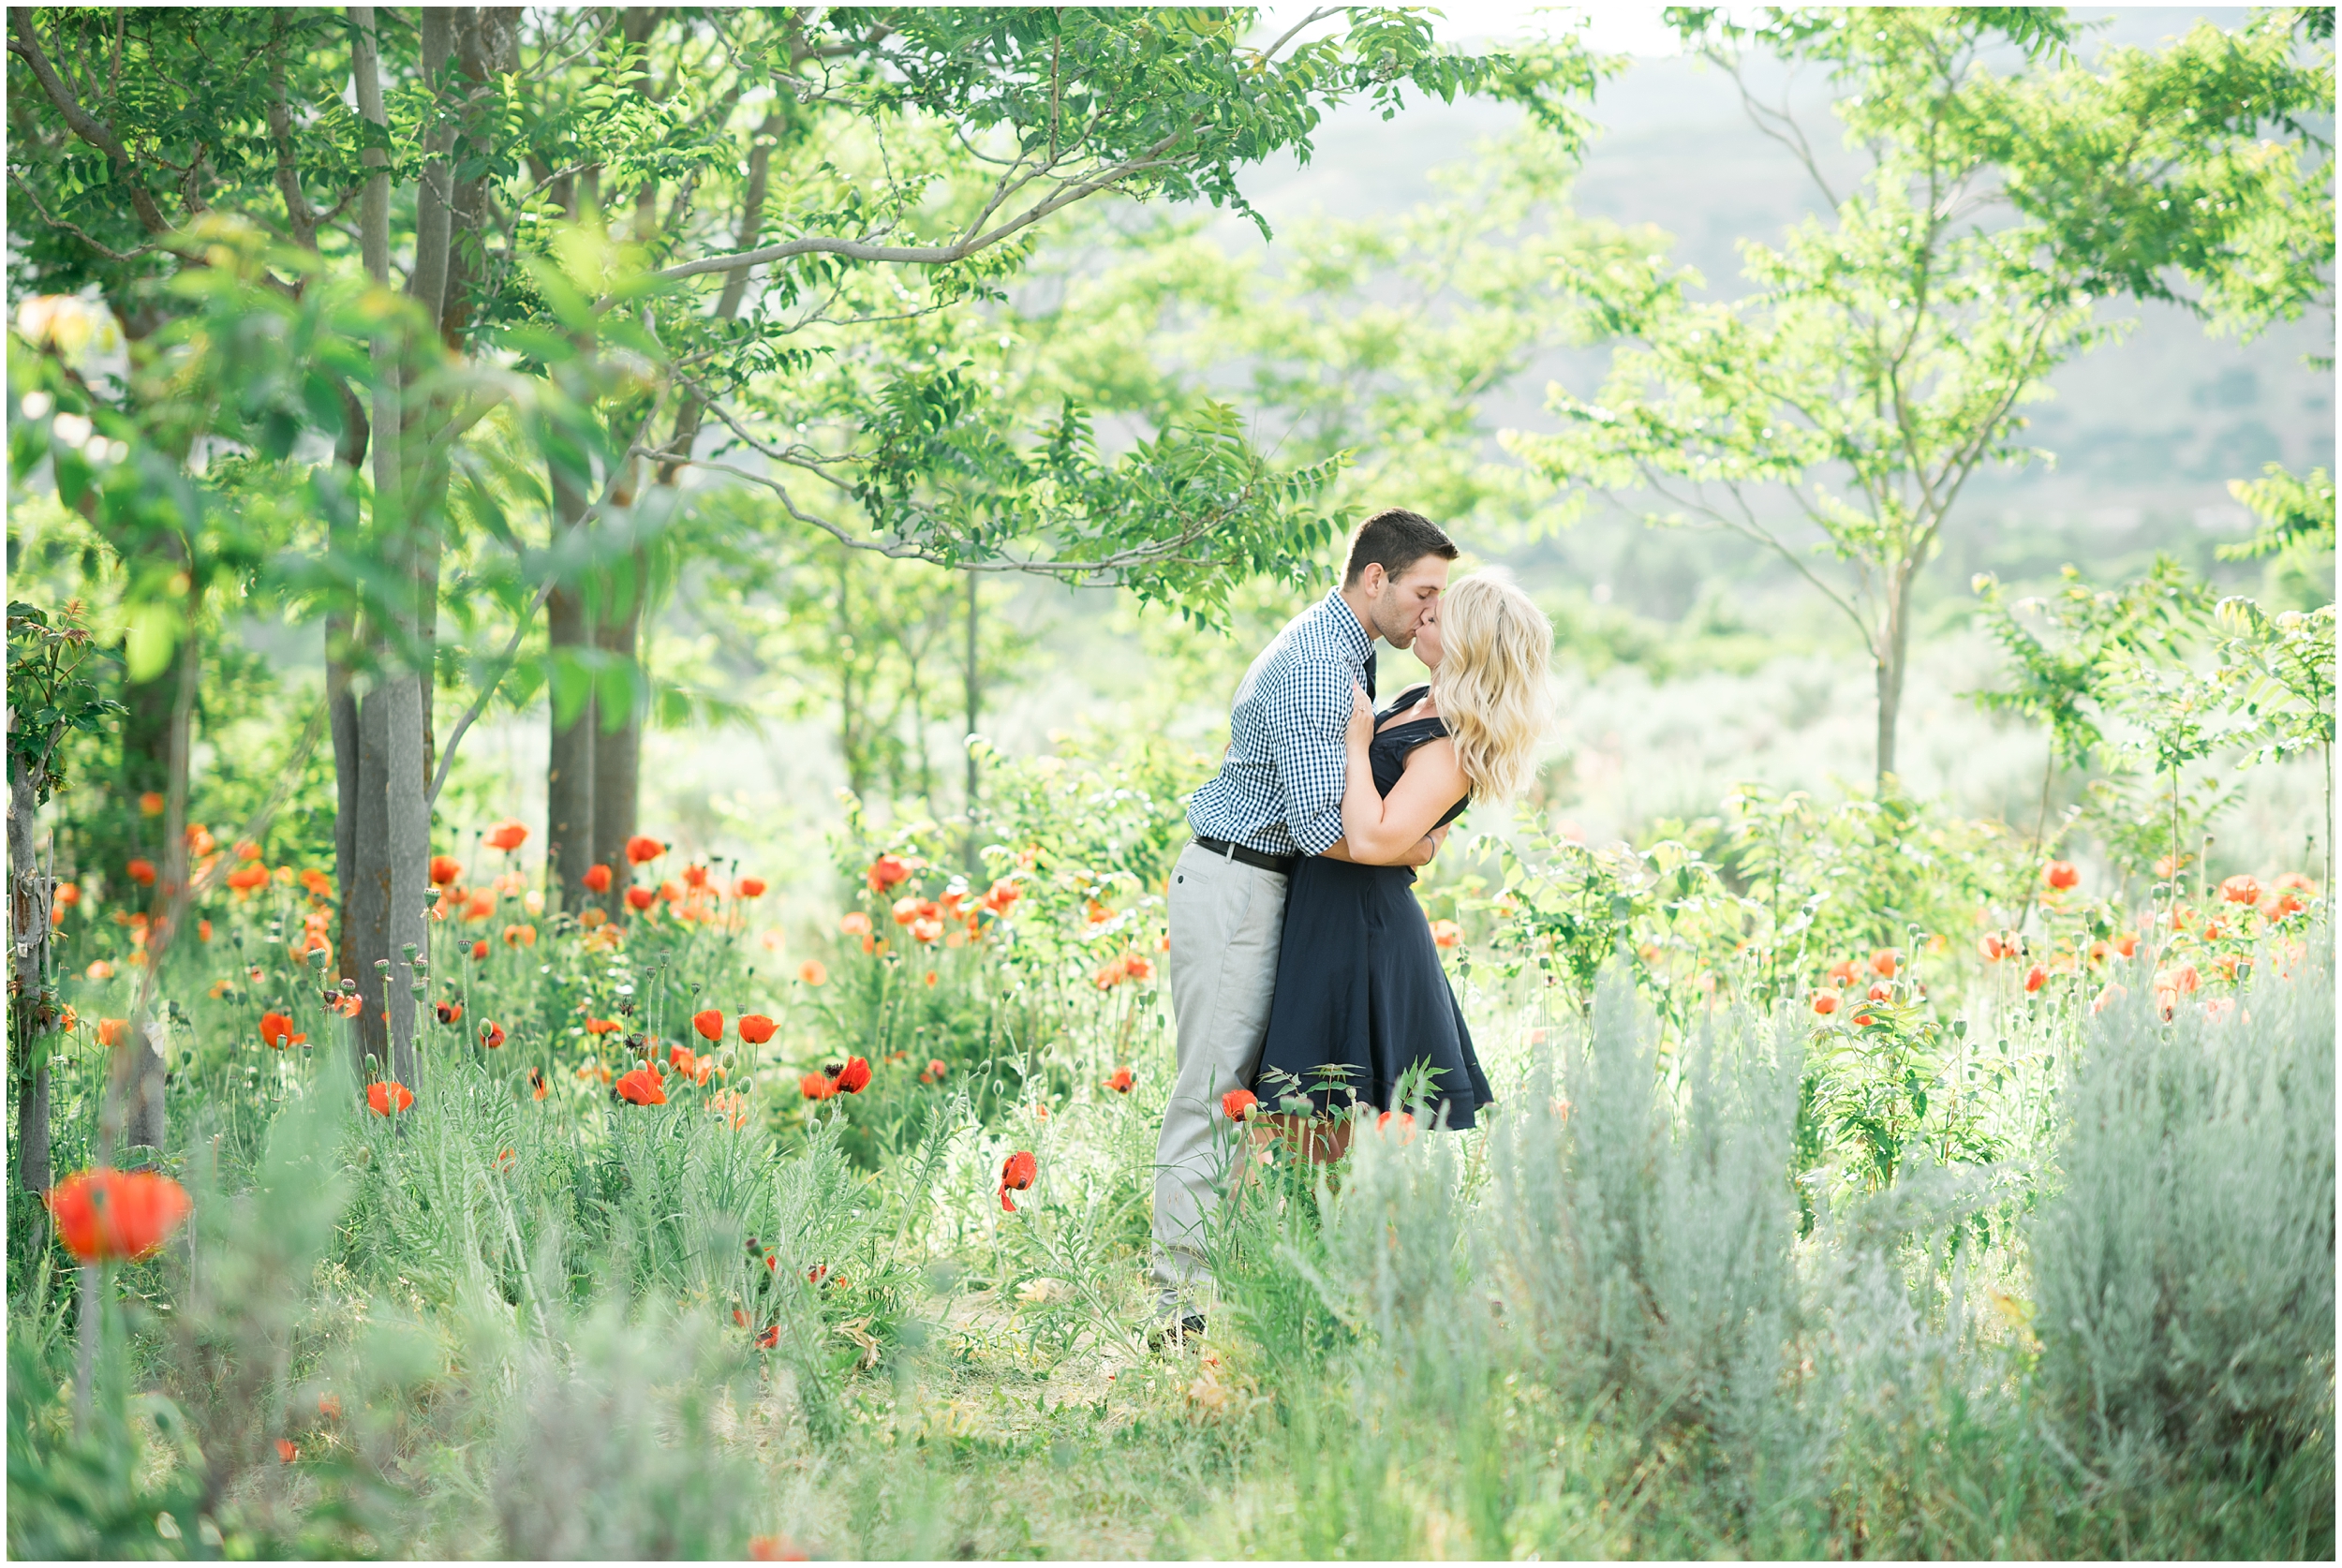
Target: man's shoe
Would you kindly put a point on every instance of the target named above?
(1176, 1335)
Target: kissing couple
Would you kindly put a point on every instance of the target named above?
(1300, 964)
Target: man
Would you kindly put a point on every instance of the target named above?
(1277, 797)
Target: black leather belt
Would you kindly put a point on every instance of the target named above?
(1281, 864)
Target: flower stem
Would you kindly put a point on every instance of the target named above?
(85, 1368)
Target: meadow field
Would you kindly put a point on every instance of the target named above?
(612, 613)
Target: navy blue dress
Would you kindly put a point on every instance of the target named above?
(1360, 994)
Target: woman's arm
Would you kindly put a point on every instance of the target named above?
(1383, 832)
(1428, 846)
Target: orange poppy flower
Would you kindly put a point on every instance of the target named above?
(855, 925)
(448, 1011)
(445, 870)
(286, 1452)
(755, 1027)
(318, 883)
(519, 936)
(602, 1026)
(2036, 977)
(508, 835)
(482, 905)
(2240, 890)
(276, 1031)
(1121, 1082)
(110, 1031)
(106, 1215)
(1824, 1002)
(1138, 968)
(1842, 973)
(695, 876)
(1446, 933)
(813, 973)
(886, 871)
(1016, 1175)
(596, 879)
(642, 1087)
(204, 930)
(1112, 973)
(243, 878)
(749, 887)
(538, 1087)
(1883, 963)
(479, 949)
(689, 1064)
(1001, 895)
(643, 848)
(491, 1035)
(815, 1086)
(776, 1549)
(854, 1076)
(2061, 873)
(710, 1024)
(1237, 1104)
(640, 899)
(936, 1071)
(387, 1096)
(150, 804)
(142, 872)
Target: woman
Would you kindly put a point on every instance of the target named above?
(1362, 1010)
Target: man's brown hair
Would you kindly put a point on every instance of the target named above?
(1395, 540)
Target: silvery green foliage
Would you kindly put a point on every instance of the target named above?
(1648, 1234)
(611, 1445)
(2185, 1267)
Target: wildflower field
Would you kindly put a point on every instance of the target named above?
(613, 612)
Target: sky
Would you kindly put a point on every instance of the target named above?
(1613, 29)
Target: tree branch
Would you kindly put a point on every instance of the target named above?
(26, 45)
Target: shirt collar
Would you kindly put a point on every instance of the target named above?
(1344, 621)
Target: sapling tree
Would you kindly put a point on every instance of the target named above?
(1836, 414)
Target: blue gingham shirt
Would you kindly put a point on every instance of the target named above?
(1279, 790)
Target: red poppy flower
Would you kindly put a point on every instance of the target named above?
(1881, 992)
(243, 878)
(150, 804)
(854, 1076)
(479, 949)
(1237, 1104)
(1883, 962)
(1446, 933)
(596, 879)
(1404, 1119)
(449, 1012)
(276, 1031)
(710, 1024)
(640, 899)
(445, 870)
(482, 905)
(691, 1064)
(1842, 973)
(104, 1214)
(2036, 977)
(538, 1087)
(643, 848)
(330, 1406)
(318, 883)
(815, 1086)
(813, 973)
(1824, 1002)
(519, 936)
(695, 876)
(755, 1027)
(2240, 890)
(1001, 895)
(602, 1026)
(749, 887)
(1112, 973)
(1016, 1174)
(2061, 873)
(386, 1097)
(286, 1451)
(508, 835)
(491, 1035)
(142, 872)
(1121, 1082)
(776, 1549)
(642, 1087)
(886, 871)
(769, 1340)
(202, 928)
(936, 1071)
(855, 925)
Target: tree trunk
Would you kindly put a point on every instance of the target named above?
(570, 763)
(367, 897)
(406, 819)
(427, 286)
(618, 747)
(968, 742)
(1894, 657)
(32, 1010)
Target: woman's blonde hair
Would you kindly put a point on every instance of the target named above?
(1491, 684)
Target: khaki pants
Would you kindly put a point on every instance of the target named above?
(1227, 920)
